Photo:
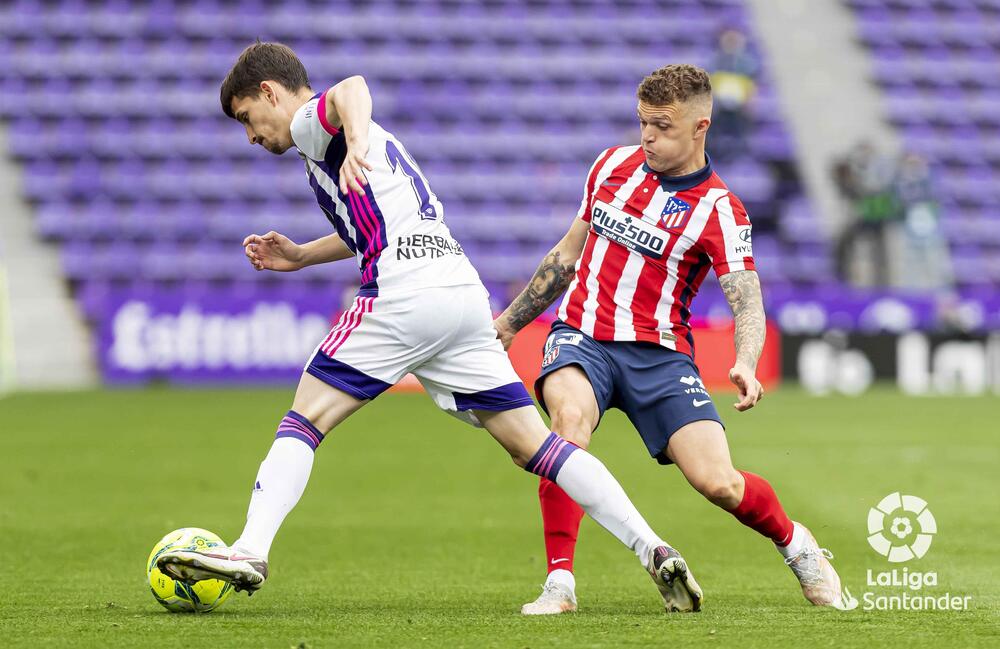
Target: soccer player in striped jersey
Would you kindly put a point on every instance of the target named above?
(421, 308)
(654, 219)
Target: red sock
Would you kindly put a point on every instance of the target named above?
(561, 523)
(761, 510)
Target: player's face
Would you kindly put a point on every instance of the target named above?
(265, 121)
(671, 135)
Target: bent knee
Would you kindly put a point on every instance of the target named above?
(724, 489)
(573, 424)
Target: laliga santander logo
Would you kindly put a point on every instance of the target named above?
(901, 528)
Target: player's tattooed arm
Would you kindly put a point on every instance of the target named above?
(550, 280)
(547, 284)
(742, 290)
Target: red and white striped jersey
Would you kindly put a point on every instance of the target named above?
(652, 240)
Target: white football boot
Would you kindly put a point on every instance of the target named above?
(244, 571)
(681, 593)
(556, 598)
(820, 582)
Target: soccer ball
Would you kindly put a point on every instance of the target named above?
(176, 596)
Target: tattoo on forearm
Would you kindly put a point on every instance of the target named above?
(547, 284)
(742, 289)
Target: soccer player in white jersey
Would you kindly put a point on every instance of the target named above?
(654, 219)
(421, 309)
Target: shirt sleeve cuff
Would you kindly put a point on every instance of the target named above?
(321, 113)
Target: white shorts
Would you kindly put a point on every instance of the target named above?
(444, 336)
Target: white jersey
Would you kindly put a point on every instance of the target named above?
(396, 227)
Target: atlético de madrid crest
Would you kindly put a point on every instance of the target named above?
(675, 213)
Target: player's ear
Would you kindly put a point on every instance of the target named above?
(268, 93)
(701, 110)
(701, 127)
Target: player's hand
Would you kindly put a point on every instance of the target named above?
(273, 251)
(352, 175)
(504, 333)
(750, 389)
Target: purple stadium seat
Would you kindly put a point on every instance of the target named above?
(113, 109)
(954, 116)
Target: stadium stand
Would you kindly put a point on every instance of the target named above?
(130, 165)
(935, 60)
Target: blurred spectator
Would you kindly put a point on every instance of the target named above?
(891, 237)
(925, 260)
(866, 178)
(734, 72)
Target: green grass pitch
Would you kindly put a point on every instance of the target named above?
(417, 531)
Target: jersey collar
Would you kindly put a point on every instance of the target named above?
(681, 183)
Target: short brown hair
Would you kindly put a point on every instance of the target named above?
(674, 83)
(262, 62)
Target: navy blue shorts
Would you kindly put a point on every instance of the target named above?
(659, 389)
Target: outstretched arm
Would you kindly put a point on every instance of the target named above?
(275, 251)
(554, 274)
(324, 250)
(349, 106)
(742, 289)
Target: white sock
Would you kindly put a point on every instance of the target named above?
(587, 481)
(563, 578)
(281, 479)
(796, 544)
